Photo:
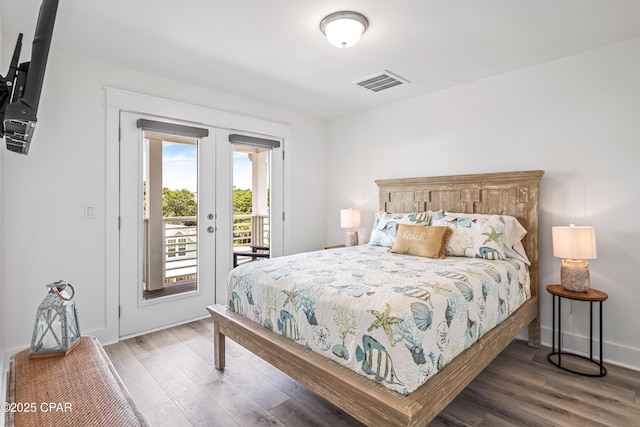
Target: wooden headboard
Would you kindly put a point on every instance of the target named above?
(506, 193)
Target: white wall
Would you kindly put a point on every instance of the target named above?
(2, 298)
(45, 236)
(575, 118)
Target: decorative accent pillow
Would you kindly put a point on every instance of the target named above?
(419, 240)
(474, 237)
(385, 224)
(514, 233)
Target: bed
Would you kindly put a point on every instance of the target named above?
(371, 400)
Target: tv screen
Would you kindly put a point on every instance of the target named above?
(20, 94)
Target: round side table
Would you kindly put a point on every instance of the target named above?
(591, 296)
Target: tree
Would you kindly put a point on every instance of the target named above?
(242, 205)
(179, 203)
(183, 202)
(242, 201)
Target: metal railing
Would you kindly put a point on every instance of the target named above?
(250, 230)
(181, 242)
(181, 248)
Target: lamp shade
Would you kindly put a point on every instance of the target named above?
(571, 242)
(349, 218)
(343, 29)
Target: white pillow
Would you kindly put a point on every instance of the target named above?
(474, 237)
(386, 223)
(514, 232)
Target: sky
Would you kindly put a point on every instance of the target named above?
(180, 167)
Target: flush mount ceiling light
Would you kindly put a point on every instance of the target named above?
(343, 29)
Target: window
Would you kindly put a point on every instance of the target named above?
(182, 246)
(171, 248)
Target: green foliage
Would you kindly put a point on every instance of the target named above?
(179, 203)
(242, 201)
(242, 205)
(183, 203)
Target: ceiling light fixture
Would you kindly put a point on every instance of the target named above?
(343, 29)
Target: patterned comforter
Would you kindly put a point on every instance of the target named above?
(397, 319)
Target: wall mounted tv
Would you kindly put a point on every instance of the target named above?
(20, 89)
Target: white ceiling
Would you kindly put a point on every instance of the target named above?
(273, 51)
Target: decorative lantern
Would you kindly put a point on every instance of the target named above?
(56, 331)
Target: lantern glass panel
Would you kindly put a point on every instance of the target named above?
(72, 322)
(56, 330)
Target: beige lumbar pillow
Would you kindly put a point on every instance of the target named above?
(419, 240)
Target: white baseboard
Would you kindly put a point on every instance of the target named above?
(615, 354)
(159, 328)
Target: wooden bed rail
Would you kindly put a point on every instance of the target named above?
(361, 397)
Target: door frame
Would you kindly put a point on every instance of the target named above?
(121, 100)
(138, 315)
(224, 197)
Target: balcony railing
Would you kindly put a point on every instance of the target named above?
(181, 248)
(180, 260)
(250, 230)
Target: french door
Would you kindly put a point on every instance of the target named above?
(167, 222)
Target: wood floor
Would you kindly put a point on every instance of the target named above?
(170, 376)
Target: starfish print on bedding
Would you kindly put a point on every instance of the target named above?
(292, 297)
(385, 321)
(492, 237)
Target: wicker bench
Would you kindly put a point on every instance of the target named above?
(79, 389)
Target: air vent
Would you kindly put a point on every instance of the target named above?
(381, 81)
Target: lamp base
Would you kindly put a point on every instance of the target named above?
(351, 238)
(574, 275)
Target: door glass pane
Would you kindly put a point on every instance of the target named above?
(170, 215)
(251, 203)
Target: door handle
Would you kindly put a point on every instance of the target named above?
(210, 229)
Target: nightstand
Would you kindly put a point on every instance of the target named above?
(591, 296)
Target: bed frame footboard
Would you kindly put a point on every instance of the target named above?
(361, 397)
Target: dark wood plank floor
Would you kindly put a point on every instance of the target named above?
(171, 289)
(171, 377)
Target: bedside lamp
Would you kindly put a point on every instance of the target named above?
(574, 245)
(350, 219)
